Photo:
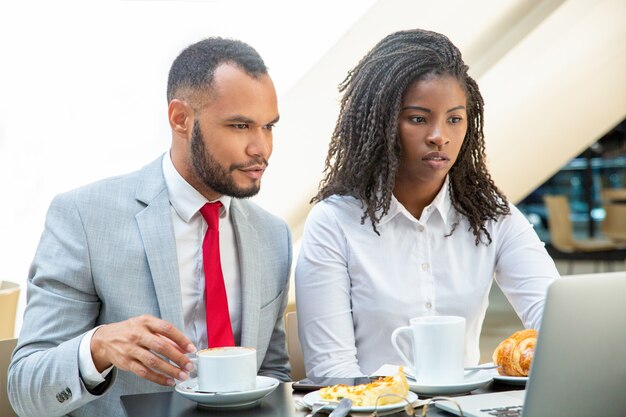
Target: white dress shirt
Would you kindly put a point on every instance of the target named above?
(353, 287)
(189, 231)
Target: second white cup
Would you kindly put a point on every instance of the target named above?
(438, 348)
(226, 369)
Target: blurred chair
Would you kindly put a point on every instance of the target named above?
(6, 349)
(563, 240)
(294, 350)
(614, 224)
(614, 195)
(9, 294)
(614, 204)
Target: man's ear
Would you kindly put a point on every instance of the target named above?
(180, 116)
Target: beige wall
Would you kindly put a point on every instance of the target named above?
(560, 89)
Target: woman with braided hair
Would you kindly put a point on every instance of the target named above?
(408, 221)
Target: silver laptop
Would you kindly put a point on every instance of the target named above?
(579, 368)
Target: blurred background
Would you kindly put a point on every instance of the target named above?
(82, 88)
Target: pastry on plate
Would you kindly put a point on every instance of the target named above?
(365, 395)
(515, 353)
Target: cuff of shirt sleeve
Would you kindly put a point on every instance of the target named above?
(88, 372)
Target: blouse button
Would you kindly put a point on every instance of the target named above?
(428, 306)
(420, 228)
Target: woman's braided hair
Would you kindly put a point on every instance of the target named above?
(365, 148)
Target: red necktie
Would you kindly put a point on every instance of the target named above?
(219, 331)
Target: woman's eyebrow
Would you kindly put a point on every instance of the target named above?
(424, 109)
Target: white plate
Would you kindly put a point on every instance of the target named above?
(242, 399)
(512, 380)
(472, 380)
(313, 397)
(505, 379)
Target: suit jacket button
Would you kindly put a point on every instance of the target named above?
(60, 397)
(68, 392)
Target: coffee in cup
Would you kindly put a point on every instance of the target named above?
(226, 369)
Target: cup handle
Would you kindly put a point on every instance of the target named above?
(394, 342)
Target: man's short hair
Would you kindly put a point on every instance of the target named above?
(194, 67)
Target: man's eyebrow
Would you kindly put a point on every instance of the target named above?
(243, 119)
(274, 121)
(239, 119)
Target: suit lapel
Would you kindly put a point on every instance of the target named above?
(249, 264)
(157, 232)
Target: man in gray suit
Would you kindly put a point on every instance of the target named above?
(116, 291)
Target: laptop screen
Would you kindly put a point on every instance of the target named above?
(579, 368)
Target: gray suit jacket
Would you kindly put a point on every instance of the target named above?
(108, 253)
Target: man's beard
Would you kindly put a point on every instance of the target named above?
(213, 174)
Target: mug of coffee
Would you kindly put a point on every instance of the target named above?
(226, 369)
(438, 348)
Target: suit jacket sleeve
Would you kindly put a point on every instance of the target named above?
(62, 306)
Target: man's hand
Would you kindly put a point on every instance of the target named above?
(133, 345)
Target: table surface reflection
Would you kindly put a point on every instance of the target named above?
(280, 403)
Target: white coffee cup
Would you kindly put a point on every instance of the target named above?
(226, 369)
(438, 348)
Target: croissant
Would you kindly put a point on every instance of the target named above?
(515, 353)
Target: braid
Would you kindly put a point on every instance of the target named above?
(364, 152)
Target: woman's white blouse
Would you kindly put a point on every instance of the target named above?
(353, 287)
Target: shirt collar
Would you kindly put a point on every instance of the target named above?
(185, 199)
(441, 204)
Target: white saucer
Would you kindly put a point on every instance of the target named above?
(471, 381)
(313, 397)
(228, 400)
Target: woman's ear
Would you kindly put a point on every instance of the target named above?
(180, 116)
